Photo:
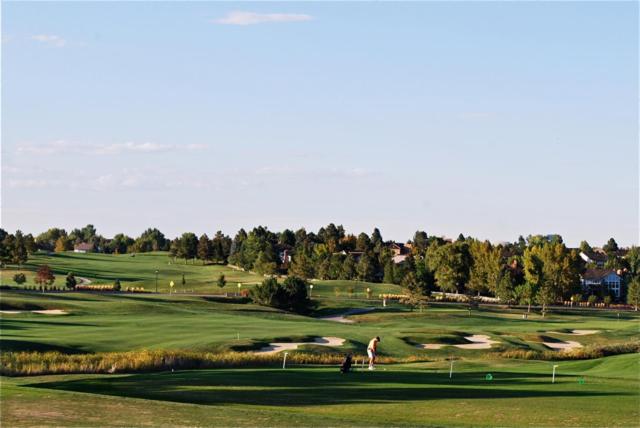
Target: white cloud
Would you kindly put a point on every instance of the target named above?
(251, 18)
(67, 147)
(50, 39)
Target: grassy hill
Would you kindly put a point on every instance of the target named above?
(139, 271)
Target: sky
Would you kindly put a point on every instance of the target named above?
(491, 119)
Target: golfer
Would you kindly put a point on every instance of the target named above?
(371, 351)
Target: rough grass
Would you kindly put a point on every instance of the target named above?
(43, 363)
(586, 353)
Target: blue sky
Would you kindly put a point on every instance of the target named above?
(492, 119)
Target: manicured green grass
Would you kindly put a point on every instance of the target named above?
(520, 394)
(139, 271)
(123, 322)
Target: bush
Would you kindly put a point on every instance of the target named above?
(116, 285)
(19, 278)
(291, 295)
(592, 299)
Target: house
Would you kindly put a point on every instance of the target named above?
(607, 278)
(399, 258)
(285, 256)
(599, 258)
(83, 247)
(397, 248)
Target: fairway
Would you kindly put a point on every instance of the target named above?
(520, 394)
(412, 388)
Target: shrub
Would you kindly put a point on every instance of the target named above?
(290, 296)
(592, 299)
(116, 285)
(71, 281)
(19, 278)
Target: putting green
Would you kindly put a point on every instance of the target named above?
(520, 393)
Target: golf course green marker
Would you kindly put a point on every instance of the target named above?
(489, 376)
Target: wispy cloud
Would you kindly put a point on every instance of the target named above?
(50, 39)
(68, 147)
(252, 18)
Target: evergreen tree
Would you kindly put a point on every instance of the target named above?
(221, 282)
(204, 249)
(348, 268)
(71, 281)
(365, 268)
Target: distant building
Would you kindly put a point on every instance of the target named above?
(285, 257)
(83, 247)
(607, 278)
(599, 258)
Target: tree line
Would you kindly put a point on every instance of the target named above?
(538, 269)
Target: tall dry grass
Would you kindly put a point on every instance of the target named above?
(587, 353)
(41, 363)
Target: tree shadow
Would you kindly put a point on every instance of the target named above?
(304, 387)
(8, 345)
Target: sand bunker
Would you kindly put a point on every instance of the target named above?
(478, 341)
(579, 332)
(430, 346)
(42, 312)
(562, 346)
(341, 317)
(287, 346)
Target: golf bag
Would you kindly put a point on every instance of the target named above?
(345, 367)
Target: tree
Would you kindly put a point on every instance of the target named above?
(633, 293)
(389, 272)
(525, 294)
(611, 246)
(363, 243)
(365, 268)
(205, 249)
(71, 281)
(302, 265)
(413, 291)
(44, 276)
(265, 264)
(63, 244)
(505, 290)
(585, 247)
(268, 293)
(188, 246)
(450, 265)
(420, 241)
(296, 298)
(19, 278)
(222, 281)
(486, 268)
(20, 254)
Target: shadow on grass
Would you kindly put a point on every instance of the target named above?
(8, 345)
(298, 387)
